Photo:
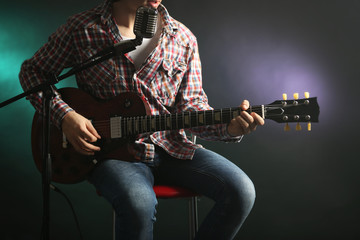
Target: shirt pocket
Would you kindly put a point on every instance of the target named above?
(102, 73)
(168, 80)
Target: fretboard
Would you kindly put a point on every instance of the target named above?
(129, 126)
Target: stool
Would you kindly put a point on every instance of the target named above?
(166, 192)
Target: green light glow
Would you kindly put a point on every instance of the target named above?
(15, 47)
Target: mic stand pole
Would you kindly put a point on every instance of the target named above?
(48, 94)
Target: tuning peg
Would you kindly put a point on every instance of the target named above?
(296, 96)
(298, 127)
(307, 95)
(287, 127)
(284, 96)
(309, 126)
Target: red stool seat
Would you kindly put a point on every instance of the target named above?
(164, 191)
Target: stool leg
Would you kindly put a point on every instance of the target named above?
(193, 211)
(193, 217)
(113, 230)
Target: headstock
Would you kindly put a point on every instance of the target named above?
(295, 110)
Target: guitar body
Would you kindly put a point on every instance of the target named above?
(69, 166)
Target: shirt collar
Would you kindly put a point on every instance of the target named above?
(105, 11)
(169, 23)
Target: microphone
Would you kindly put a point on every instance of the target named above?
(145, 22)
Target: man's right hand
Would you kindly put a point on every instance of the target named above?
(80, 132)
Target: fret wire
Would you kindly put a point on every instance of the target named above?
(232, 112)
(177, 120)
(208, 117)
(189, 120)
(182, 120)
(131, 129)
(137, 125)
(173, 121)
(162, 123)
(165, 122)
(229, 116)
(196, 119)
(128, 127)
(170, 117)
(141, 129)
(156, 123)
(200, 118)
(153, 124)
(213, 117)
(152, 128)
(144, 124)
(123, 127)
(221, 116)
(133, 123)
(204, 118)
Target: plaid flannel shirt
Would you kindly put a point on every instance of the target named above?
(170, 79)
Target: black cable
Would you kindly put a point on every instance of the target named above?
(71, 206)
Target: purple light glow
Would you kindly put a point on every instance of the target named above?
(273, 72)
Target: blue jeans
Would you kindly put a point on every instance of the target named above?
(128, 187)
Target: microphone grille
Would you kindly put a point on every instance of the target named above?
(145, 22)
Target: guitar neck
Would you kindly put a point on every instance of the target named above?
(129, 126)
(281, 111)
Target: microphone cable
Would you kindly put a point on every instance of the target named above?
(56, 189)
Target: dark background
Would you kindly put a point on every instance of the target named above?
(307, 182)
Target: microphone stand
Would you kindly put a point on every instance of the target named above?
(48, 93)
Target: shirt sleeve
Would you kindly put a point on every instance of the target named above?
(47, 62)
(192, 97)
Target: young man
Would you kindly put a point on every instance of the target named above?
(166, 71)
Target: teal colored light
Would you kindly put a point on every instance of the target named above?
(15, 47)
(9, 58)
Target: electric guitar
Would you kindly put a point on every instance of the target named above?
(121, 119)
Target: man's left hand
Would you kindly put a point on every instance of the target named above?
(244, 123)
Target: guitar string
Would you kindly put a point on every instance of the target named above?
(148, 118)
